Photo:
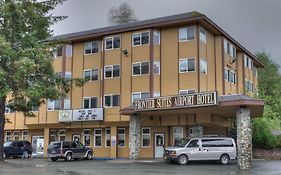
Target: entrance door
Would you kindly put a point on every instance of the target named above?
(38, 146)
(159, 142)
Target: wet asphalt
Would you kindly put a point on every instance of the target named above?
(99, 167)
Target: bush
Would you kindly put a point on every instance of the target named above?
(262, 136)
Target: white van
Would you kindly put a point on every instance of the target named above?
(205, 148)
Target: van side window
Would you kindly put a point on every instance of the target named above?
(193, 144)
(217, 143)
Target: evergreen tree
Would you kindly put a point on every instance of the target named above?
(123, 14)
(26, 72)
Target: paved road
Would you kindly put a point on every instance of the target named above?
(98, 167)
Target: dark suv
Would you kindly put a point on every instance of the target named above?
(17, 148)
(69, 150)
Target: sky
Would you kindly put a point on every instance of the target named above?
(256, 24)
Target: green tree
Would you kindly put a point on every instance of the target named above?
(26, 72)
(122, 14)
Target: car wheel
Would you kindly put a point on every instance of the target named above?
(68, 157)
(25, 154)
(182, 160)
(54, 159)
(224, 160)
(89, 156)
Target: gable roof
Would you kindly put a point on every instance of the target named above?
(190, 17)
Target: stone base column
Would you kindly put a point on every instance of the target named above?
(134, 136)
(244, 138)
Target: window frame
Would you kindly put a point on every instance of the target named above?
(203, 60)
(118, 136)
(186, 59)
(204, 39)
(158, 64)
(156, 33)
(106, 135)
(186, 33)
(112, 39)
(175, 127)
(53, 105)
(140, 68)
(97, 135)
(140, 94)
(111, 100)
(142, 134)
(140, 35)
(91, 43)
(90, 102)
(112, 72)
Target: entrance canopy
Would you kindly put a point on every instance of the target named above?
(226, 105)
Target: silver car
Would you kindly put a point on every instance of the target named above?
(206, 148)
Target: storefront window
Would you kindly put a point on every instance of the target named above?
(177, 134)
(87, 137)
(16, 136)
(8, 136)
(24, 135)
(145, 137)
(107, 137)
(61, 135)
(121, 137)
(98, 137)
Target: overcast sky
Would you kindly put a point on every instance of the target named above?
(256, 24)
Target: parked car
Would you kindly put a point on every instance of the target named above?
(69, 150)
(17, 149)
(209, 148)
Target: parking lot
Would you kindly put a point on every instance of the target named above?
(123, 166)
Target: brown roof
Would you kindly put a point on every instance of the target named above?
(190, 17)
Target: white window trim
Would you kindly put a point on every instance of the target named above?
(140, 33)
(104, 73)
(90, 101)
(90, 73)
(53, 105)
(186, 40)
(182, 59)
(156, 93)
(124, 138)
(22, 135)
(92, 47)
(112, 37)
(204, 60)
(140, 93)
(111, 100)
(145, 134)
(95, 138)
(159, 67)
(203, 41)
(140, 68)
(155, 31)
(10, 136)
(105, 134)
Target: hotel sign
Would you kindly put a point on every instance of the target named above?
(179, 101)
(94, 114)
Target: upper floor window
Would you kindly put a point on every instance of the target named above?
(57, 52)
(248, 62)
(91, 74)
(203, 35)
(229, 48)
(186, 33)
(54, 105)
(111, 100)
(156, 67)
(91, 47)
(140, 38)
(156, 37)
(229, 75)
(249, 86)
(68, 50)
(140, 68)
(187, 65)
(90, 102)
(66, 103)
(139, 95)
(111, 71)
(112, 42)
(156, 94)
(255, 71)
(203, 66)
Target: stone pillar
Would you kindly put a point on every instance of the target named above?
(244, 138)
(134, 136)
(46, 140)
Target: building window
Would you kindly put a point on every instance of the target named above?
(140, 38)
(233, 77)
(91, 74)
(57, 52)
(156, 94)
(66, 103)
(140, 68)
(229, 49)
(248, 62)
(16, 136)
(139, 95)
(186, 33)
(91, 47)
(203, 66)
(112, 42)
(87, 137)
(111, 71)
(68, 50)
(203, 36)
(61, 134)
(229, 75)
(156, 67)
(156, 37)
(249, 86)
(8, 136)
(67, 75)
(107, 137)
(121, 137)
(54, 105)
(53, 135)
(98, 138)
(25, 135)
(90, 102)
(145, 137)
(111, 100)
(177, 134)
(187, 65)
(185, 92)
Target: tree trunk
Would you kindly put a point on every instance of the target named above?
(2, 124)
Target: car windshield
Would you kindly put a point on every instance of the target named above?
(182, 142)
(7, 144)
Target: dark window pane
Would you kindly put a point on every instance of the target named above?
(86, 103)
(116, 41)
(97, 140)
(87, 74)
(144, 67)
(108, 72)
(121, 131)
(87, 48)
(95, 74)
(107, 101)
(116, 100)
(94, 102)
(116, 71)
(183, 65)
(95, 47)
(136, 69)
(191, 64)
(136, 39)
(193, 143)
(87, 140)
(108, 43)
(59, 51)
(145, 38)
(190, 33)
